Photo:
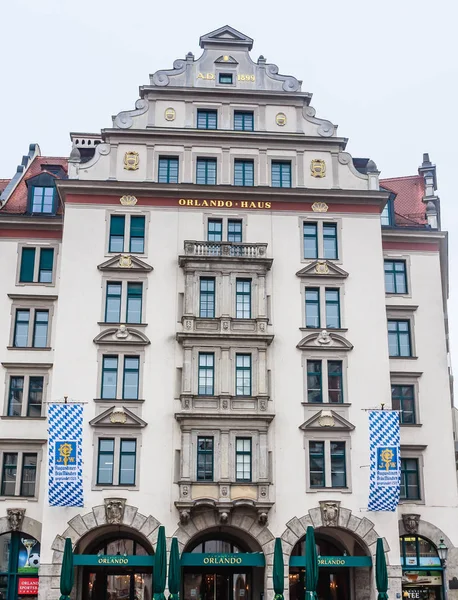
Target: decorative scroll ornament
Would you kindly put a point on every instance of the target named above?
(128, 200)
(15, 517)
(125, 262)
(320, 207)
(114, 510)
(321, 267)
(131, 161)
(280, 119)
(170, 114)
(118, 416)
(318, 167)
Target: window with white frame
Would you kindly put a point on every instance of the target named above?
(320, 240)
(36, 265)
(31, 322)
(20, 470)
(322, 307)
(127, 233)
(120, 377)
(26, 392)
(117, 461)
(324, 381)
(123, 302)
(327, 463)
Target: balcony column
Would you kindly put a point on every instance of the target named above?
(262, 373)
(187, 371)
(186, 455)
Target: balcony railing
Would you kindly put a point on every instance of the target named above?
(235, 249)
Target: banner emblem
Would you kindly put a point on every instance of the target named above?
(385, 475)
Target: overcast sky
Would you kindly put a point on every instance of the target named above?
(385, 71)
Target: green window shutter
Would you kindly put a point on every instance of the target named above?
(46, 259)
(27, 265)
(117, 225)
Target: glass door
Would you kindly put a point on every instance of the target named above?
(119, 585)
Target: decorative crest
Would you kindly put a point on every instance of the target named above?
(131, 161)
(280, 119)
(411, 522)
(318, 168)
(320, 207)
(118, 415)
(321, 267)
(170, 114)
(128, 200)
(330, 513)
(125, 262)
(15, 518)
(114, 510)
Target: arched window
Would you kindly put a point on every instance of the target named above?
(122, 546)
(19, 562)
(417, 551)
(217, 546)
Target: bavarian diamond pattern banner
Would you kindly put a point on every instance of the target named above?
(65, 457)
(385, 474)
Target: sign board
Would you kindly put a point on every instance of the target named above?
(237, 559)
(28, 586)
(107, 560)
(334, 561)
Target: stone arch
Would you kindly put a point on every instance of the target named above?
(28, 525)
(428, 531)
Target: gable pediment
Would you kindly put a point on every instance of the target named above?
(324, 340)
(122, 335)
(327, 419)
(226, 35)
(125, 262)
(324, 269)
(118, 416)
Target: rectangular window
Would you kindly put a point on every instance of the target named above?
(207, 119)
(243, 121)
(15, 396)
(243, 299)
(244, 172)
(332, 309)
(21, 329)
(109, 377)
(131, 377)
(215, 230)
(137, 235)
(225, 78)
(206, 171)
(206, 374)
(410, 479)
(40, 329)
(127, 461)
(399, 338)
(35, 399)
(168, 169)
(330, 240)
(29, 475)
(335, 382)
(9, 473)
(105, 462)
(204, 459)
(403, 400)
(387, 214)
(46, 265)
(134, 303)
(312, 308)
(243, 374)
(243, 459)
(395, 277)
(314, 381)
(43, 200)
(113, 303)
(310, 240)
(117, 226)
(27, 265)
(338, 467)
(281, 174)
(234, 231)
(207, 297)
(316, 460)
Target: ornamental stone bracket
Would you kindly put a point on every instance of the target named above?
(15, 518)
(224, 509)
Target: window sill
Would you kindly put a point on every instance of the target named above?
(15, 498)
(21, 418)
(116, 400)
(35, 284)
(28, 348)
(403, 357)
(331, 329)
(409, 501)
(105, 323)
(343, 404)
(341, 490)
(411, 425)
(101, 487)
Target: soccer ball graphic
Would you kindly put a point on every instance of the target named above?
(34, 560)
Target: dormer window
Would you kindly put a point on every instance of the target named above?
(225, 78)
(43, 200)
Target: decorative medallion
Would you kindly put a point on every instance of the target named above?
(324, 337)
(318, 167)
(131, 160)
(118, 416)
(15, 517)
(326, 419)
(330, 513)
(321, 267)
(114, 510)
(122, 333)
(170, 114)
(125, 262)
(320, 207)
(128, 200)
(225, 58)
(280, 119)
(411, 522)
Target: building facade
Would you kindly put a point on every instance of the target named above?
(228, 292)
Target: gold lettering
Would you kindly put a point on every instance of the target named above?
(220, 203)
(226, 560)
(205, 561)
(190, 202)
(213, 203)
(229, 204)
(268, 204)
(244, 204)
(200, 76)
(212, 561)
(182, 201)
(204, 203)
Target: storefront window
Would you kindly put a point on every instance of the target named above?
(421, 569)
(418, 552)
(19, 562)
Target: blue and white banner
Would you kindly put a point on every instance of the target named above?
(385, 475)
(65, 454)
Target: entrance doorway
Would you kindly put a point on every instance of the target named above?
(216, 586)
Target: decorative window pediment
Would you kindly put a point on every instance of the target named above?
(324, 269)
(327, 419)
(122, 335)
(226, 60)
(324, 340)
(227, 35)
(125, 262)
(118, 416)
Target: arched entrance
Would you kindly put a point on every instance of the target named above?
(422, 573)
(222, 564)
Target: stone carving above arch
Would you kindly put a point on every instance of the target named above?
(122, 335)
(325, 341)
(124, 119)
(27, 524)
(425, 529)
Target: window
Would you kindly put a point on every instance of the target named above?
(136, 240)
(40, 329)
(399, 338)
(134, 303)
(417, 552)
(320, 371)
(314, 381)
(335, 382)
(127, 460)
(137, 235)
(244, 172)
(43, 200)
(403, 400)
(35, 399)
(234, 230)
(281, 174)
(225, 78)
(387, 214)
(317, 464)
(27, 265)
(30, 271)
(117, 226)
(330, 241)
(207, 119)
(395, 277)
(410, 479)
(312, 308)
(108, 463)
(310, 240)
(206, 374)
(113, 303)
(46, 264)
(105, 462)
(243, 459)
(332, 308)
(109, 377)
(204, 459)
(40, 320)
(15, 463)
(206, 171)
(168, 169)
(243, 374)
(338, 470)
(215, 230)
(15, 396)
(22, 387)
(243, 299)
(131, 377)
(207, 297)
(133, 294)
(243, 121)
(21, 329)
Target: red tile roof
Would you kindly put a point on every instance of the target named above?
(3, 184)
(409, 209)
(17, 202)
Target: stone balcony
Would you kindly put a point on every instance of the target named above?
(202, 251)
(225, 327)
(211, 406)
